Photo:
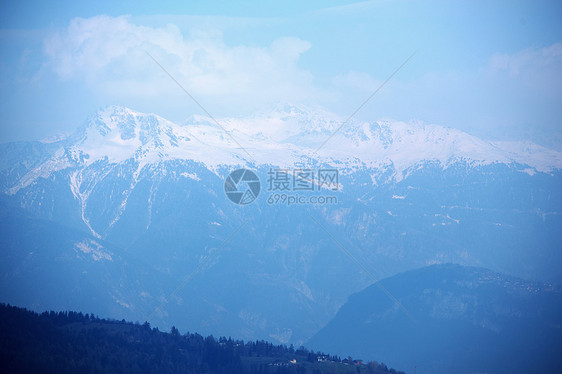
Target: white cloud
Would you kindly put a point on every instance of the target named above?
(536, 72)
(529, 60)
(108, 54)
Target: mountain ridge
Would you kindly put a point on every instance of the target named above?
(116, 134)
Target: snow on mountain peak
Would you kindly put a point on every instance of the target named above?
(290, 133)
(285, 136)
(405, 145)
(118, 133)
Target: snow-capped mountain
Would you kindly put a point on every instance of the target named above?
(138, 205)
(287, 136)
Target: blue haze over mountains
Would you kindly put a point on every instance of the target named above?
(113, 218)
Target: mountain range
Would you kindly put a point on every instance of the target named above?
(127, 217)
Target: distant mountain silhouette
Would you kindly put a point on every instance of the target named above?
(462, 320)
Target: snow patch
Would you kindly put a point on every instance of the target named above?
(191, 176)
(94, 249)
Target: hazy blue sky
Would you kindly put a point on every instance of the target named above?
(492, 68)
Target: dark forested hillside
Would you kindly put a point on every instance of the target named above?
(70, 342)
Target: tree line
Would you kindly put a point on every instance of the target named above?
(73, 342)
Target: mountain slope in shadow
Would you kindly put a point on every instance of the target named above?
(459, 319)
